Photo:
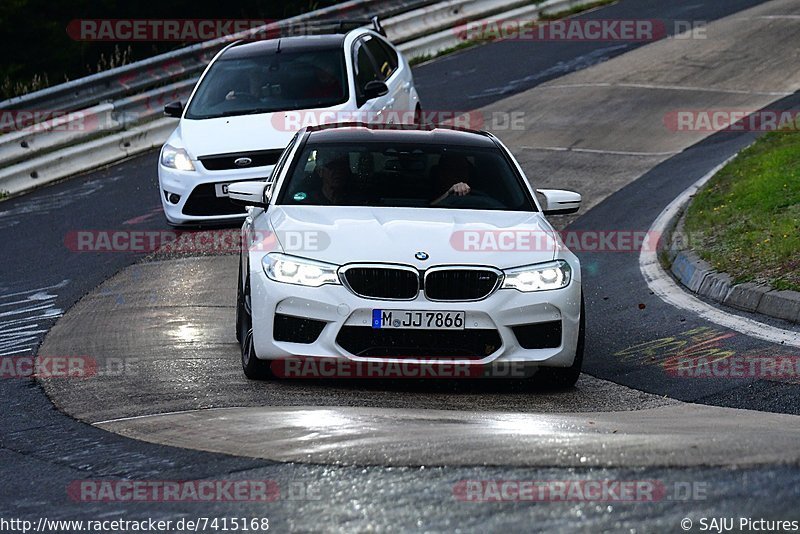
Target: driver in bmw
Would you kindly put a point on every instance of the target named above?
(453, 170)
(336, 182)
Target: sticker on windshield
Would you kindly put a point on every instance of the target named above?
(299, 196)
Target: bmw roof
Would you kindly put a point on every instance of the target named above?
(362, 133)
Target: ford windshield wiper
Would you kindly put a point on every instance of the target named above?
(233, 113)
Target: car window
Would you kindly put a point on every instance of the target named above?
(404, 175)
(385, 57)
(271, 82)
(365, 68)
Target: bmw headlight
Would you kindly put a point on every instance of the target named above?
(176, 158)
(540, 277)
(299, 271)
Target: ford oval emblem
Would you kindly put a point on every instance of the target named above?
(242, 162)
(422, 256)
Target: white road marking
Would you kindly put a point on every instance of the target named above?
(177, 412)
(775, 17)
(667, 88)
(599, 151)
(561, 68)
(46, 204)
(670, 292)
(21, 326)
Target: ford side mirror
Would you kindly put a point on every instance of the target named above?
(174, 109)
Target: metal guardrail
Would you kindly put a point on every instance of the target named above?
(119, 112)
(128, 79)
(428, 44)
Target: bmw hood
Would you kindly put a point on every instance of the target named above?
(413, 236)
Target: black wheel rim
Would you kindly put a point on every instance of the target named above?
(247, 347)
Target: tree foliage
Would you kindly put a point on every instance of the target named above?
(39, 52)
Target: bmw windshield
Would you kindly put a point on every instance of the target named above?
(271, 82)
(404, 175)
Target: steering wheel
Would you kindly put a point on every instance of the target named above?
(475, 199)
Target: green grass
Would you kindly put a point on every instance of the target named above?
(416, 60)
(746, 220)
(575, 10)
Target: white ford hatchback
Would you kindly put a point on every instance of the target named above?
(253, 97)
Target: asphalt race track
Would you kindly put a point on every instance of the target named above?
(382, 455)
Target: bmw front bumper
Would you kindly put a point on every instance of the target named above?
(345, 320)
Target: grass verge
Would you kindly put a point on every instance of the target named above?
(575, 10)
(416, 60)
(746, 220)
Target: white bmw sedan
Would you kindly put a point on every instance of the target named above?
(421, 246)
(253, 97)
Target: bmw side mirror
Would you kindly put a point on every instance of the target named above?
(374, 89)
(174, 109)
(249, 194)
(560, 202)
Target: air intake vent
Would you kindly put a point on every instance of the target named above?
(471, 344)
(446, 283)
(382, 282)
(223, 162)
(539, 335)
(204, 201)
(296, 329)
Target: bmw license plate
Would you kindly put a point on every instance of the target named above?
(221, 189)
(422, 320)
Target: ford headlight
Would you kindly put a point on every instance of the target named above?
(176, 158)
(299, 271)
(540, 277)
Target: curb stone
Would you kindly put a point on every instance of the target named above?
(700, 278)
(781, 304)
(746, 296)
